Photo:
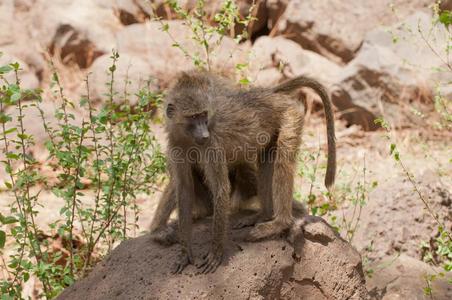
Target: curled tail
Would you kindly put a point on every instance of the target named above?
(302, 81)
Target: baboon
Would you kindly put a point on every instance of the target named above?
(243, 196)
(213, 126)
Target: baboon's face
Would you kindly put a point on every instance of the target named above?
(188, 106)
(194, 124)
(197, 127)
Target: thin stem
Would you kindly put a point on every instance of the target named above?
(449, 66)
(98, 174)
(74, 199)
(27, 198)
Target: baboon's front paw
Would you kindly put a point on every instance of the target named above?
(258, 232)
(210, 262)
(183, 260)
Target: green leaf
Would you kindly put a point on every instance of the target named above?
(68, 280)
(244, 81)
(15, 66)
(11, 130)
(2, 239)
(445, 17)
(4, 118)
(165, 27)
(11, 155)
(391, 150)
(22, 136)
(83, 101)
(16, 96)
(5, 69)
(7, 220)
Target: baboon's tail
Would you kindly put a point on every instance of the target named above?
(302, 81)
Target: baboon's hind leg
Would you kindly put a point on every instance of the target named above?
(264, 194)
(284, 164)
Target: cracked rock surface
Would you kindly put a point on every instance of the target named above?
(318, 265)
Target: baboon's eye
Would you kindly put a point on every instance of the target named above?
(194, 116)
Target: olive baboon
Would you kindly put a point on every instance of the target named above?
(214, 126)
(243, 196)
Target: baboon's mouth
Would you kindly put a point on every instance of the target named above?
(201, 141)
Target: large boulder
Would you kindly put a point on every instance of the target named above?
(16, 44)
(27, 76)
(77, 31)
(321, 265)
(212, 7)
(285, 58)
(149, 42)
(275, 10)
(128, 11)
(404, 277)
(396, 219)
(336, 29)
(7, 24)
(393, 72)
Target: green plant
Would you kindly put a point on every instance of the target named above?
(111, 156)
(208, 31)
(444, 239)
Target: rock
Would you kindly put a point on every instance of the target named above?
(148, 42)
(396, 221)
(28, 79)
(275, 9)
(131, 69)
(6, 24)
(404, 40)
(446, 5)
(24, 5)
(274, 53)
(336, 29)
(390, 78)
(260, 12)
(128, 11)
(212, 7)
(404, 277)
(15, 41)
(322, 266)
(78, 32)
(32, 60)
(370, 87)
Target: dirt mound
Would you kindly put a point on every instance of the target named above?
(321, 265)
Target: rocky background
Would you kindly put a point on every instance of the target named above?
(377, 58)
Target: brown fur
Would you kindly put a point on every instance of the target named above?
(243, 196)
(260, 127)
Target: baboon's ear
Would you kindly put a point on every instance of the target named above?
(170, 110)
